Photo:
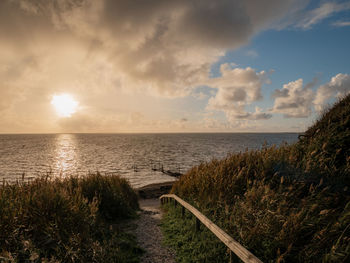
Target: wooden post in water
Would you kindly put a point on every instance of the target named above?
(175, 203)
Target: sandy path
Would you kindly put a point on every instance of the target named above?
(149, 234)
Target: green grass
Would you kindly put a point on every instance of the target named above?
(67, 220)
(191, 246)
(285, 204)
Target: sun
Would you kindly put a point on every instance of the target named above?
(65, 105)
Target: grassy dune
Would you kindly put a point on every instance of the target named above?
(286, 204)
(67, 220)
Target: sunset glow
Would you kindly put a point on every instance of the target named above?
(107, 106)
(171, 66)
(64, 104)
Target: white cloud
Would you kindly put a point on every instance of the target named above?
(324, 11)
(341, 23)
(237, 88)
(252, 53)
(337, 87)
(294, 99)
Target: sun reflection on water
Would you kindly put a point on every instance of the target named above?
(66, 154)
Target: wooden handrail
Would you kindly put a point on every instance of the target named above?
(232, 244)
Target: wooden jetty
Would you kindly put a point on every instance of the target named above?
(161, 169)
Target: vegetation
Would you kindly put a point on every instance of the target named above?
(191, 246)
(67, 220)
(286, 204)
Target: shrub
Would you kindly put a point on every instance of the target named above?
(66, 220)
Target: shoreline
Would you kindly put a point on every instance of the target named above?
(154, 190)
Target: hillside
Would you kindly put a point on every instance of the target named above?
(285, 204)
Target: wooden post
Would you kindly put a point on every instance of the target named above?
(198, 224)
(234, 258)
(183, 211)
(175, 203)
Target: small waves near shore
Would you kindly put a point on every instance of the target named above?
(130, 155)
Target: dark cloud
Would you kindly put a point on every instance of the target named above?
(251, 116)
(283, 105)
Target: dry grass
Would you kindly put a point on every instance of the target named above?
(67, 220)
(286, 204)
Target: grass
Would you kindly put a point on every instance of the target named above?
(74, 219)
(191, 246)
(284, 204)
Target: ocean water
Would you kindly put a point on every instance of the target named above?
(130, 155)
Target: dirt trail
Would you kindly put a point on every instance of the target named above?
(149, 234)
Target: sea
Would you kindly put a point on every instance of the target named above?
(136, 157)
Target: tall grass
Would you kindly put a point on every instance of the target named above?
(67, 220)
(286, 204)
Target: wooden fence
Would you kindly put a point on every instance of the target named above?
(232, 244)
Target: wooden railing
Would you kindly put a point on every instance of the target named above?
(232, 244)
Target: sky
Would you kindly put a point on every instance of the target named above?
(110, 66)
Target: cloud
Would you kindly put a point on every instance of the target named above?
(252, 53)
(99, 50)
(341, 23)
(337, 87)
(200, 95)
(240, 114)
(294, 100)
(237, 88)
(161, 47)
(320, 13)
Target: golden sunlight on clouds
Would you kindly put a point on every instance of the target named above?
(163, 61)
(65, 105)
